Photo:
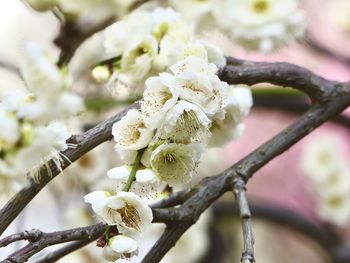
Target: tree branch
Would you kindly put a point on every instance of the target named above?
(73, 33)
(328, 239)
(281, 74)
(43, 240)
(239, 189)
(60, 253)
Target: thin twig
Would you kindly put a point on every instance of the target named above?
(239, 189)
(60, 253)
(73, 33)
(44, 240)
(328, 239)
(31, 236)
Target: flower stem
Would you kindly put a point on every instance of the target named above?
(134, 170)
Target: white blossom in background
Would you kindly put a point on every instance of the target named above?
(34, 124)
(319, 160)
(335, 209)
(46, 143)
(265, 25)
(146, 43)
(51, 98)
(26, 146)
(206, 14)
(95, 10)
(330, 178)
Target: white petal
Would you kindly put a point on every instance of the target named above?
(146, 176)
(120, 173)
(123, 244)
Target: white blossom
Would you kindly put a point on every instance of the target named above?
(41, 75)
(172, 45)
(160, 96)
(126, 210)
(194, 64)
(95, 9)
(147, 184)
(205, 14)
(206, 91)
(335, 209)
(131, 133)
(240, 101)
(9, 132)
(185, 123)
(319, 160)
(229, 126)
(120, 246)
(127, 32)
(46, 143)
(265, 25)
(174, 163)
(224, 131)
(136, 60)
(120, 173)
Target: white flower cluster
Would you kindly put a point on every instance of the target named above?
(263, 25)
(180, 114)
(330, 177)
(266, 25)
(50, 98)
(146, 43)
(93, 9)
(32, 131)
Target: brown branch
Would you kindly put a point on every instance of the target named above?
(73, 33)
(26, 235)
(60, 253)
(281, 74)
(324, 236)
(43, 240)
(239, 189)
